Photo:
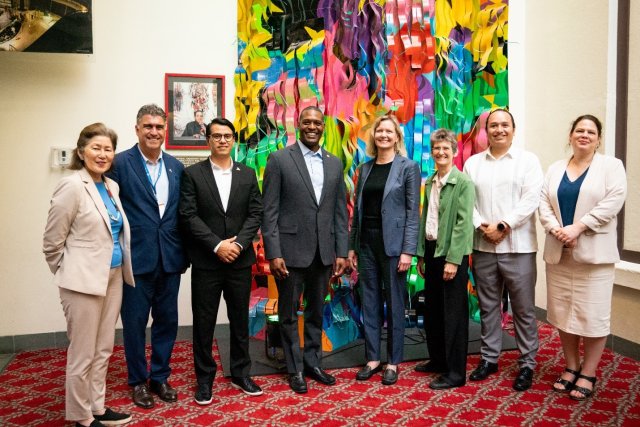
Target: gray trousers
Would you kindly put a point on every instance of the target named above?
(517, 272)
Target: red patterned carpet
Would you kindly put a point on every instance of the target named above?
(32, 393)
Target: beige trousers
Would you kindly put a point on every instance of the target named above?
(91, 324)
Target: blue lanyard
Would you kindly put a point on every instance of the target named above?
(113, 217)
(159, 168)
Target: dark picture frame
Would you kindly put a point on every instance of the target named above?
(191, 101)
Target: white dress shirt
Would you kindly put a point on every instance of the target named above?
(313, 160)
(223, 183)
(507, 189)
(159, 180)
(431, 229)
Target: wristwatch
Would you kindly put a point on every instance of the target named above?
(501, 226)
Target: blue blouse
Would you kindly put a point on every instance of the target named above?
(116, 224)
(568, 193)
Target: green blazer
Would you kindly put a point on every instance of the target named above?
(455, 217)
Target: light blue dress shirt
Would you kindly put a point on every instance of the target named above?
(159, 180)
(313, 160)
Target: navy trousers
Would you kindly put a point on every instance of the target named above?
(380, 282)
(155, 293)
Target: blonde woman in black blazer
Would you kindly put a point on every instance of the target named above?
(383, 240)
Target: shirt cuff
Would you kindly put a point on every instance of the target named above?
(215, 250)
(241, 248)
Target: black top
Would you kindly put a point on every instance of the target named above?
(372, 195)
(568, 193)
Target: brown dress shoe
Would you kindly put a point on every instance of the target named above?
(142, 397)
(164, 391)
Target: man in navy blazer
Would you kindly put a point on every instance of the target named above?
(305, 233)
(149, 181)
(220, 213)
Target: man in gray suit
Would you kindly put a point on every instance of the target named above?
(306, 240)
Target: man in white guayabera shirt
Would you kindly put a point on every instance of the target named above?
(508, 182)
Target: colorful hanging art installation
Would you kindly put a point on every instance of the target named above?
(432, 63)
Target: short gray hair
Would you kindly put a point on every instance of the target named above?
(444, 135)
(151, 110)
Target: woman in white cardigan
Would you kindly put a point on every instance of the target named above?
(580, 200)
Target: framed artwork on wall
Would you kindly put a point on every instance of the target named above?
(191, 101)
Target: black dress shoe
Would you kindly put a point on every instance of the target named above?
(389, 376)
(441, 383)
(523, 380)
(164, 391)
(142, 397)
(483, 370)
(298, 383)
(429, 367)
(319, 375)
(247, 386)
(367, 372)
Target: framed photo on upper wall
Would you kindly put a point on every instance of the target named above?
(191, 101)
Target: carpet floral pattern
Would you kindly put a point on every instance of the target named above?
(32, 393)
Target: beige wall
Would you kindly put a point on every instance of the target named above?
(566, 75)
(632, 222)
(558, 69)
(46, 99)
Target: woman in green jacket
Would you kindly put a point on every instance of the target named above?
(444, 244)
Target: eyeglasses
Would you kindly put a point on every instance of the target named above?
(220, 136)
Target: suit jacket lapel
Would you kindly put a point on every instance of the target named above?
(593, 174)
(362, 179)
(447, 190)
(298, 160)
(554, 183)
(394, 173)
(235, 184)
(428, 185)
(174, 191)
(91, 188)
(138, 166)
(207, 175)
(327, 173)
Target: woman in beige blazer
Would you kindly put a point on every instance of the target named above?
(86, 244)
(581, 198)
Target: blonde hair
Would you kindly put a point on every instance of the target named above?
(372, 150)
